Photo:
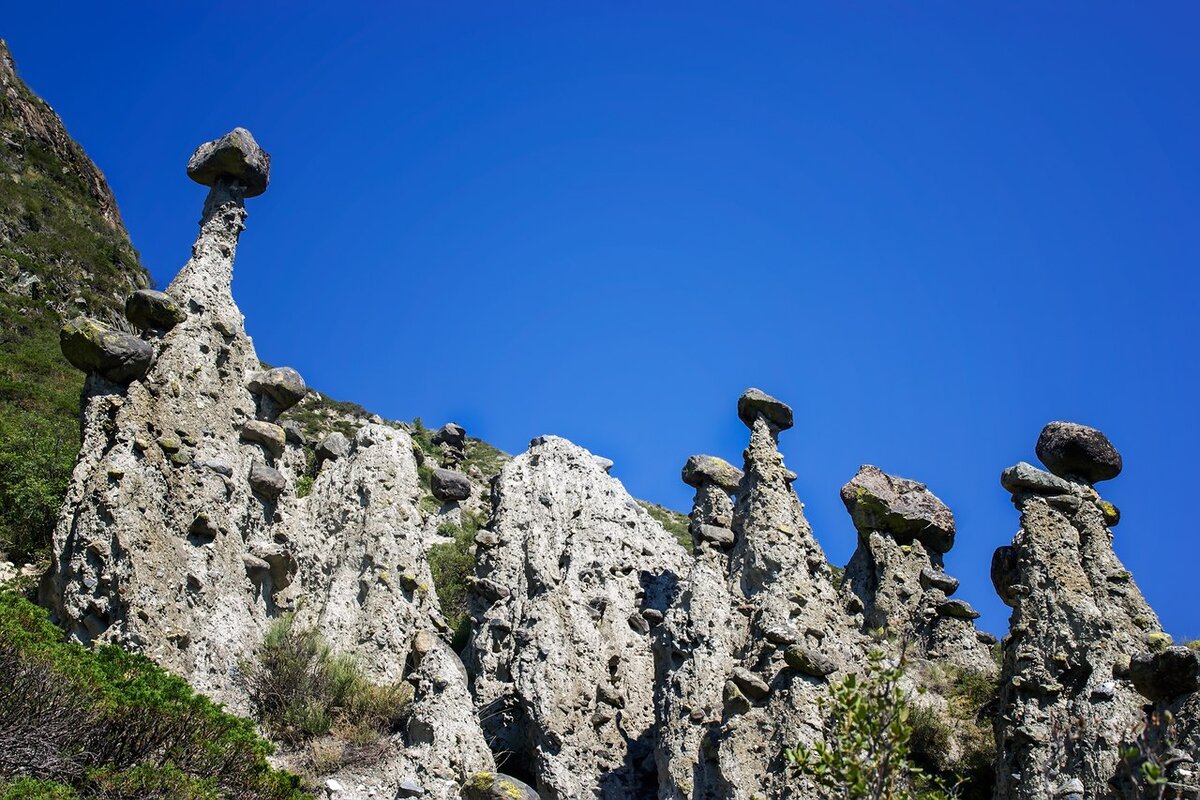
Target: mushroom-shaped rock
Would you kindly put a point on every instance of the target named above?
(148, 309)
(333, 447)
(901, 507)
(702, 469)
(267, 481)
(1070, 450)
(494, 786)
(282, 384)
(1025, 477)
(235, 156)
(1167, 674)
(92, 346)
(755, 402)
(268, 434)
(451, 434)
(448, 485)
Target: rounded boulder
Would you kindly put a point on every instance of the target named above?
(1070, 450)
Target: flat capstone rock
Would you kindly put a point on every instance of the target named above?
(702, 469)
(234, 156)
(92, 346)
(755, 403)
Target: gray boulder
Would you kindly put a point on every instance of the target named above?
(234, 156)
(148, 309)
(755, 403)
(1025, 477)
(451, 434)
(1167, 674)
(702, 469)
(268, 434)
(1070, 450)
(716, 534)
(267, 481)
(901, 507)
(92, 346)
(810, 662)
(282, 384)
(1005, 574)
(449, 485)
(333, 447)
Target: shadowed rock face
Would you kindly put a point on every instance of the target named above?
(1078, 618)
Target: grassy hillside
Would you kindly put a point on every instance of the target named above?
(63, 250)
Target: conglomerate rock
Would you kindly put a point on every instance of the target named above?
(182, 536)
(565, 596)
(1067, 706)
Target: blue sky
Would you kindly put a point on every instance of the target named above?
(931, 227)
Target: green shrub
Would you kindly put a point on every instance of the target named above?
(301, 690)
(452, 565)
(304, 485)
(30, 789)
(112, 724)
(673, 522)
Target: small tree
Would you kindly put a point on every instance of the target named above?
(865, 754)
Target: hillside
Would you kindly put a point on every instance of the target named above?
(63, 250)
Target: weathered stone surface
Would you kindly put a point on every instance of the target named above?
(702, 469)
(901, 507)
(267, 481)
(148, 309)
(935, 579)
(235, 156)
(451, 434)
(756, 403)
(1070, 450)
(809, 661)
(1025, 477)
(1167, 674)
(333, 447)
(268, 434)
(449, 485)
(92, 346)
(1072, 630)
(579, 558)
(196, 550)
(282, 385)
(958, 609)
(494, 786)
(721, 537)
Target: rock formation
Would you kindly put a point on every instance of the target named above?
(183, 536)
(572, 579)
(1067, 703)
(898, 575)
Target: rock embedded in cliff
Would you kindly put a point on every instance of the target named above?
(901, 507)
(267, 481)
(148, 309)
(92, 346)
(756, 403)
(451, 434)
(494, 786)
(1005, 573)
(1025, 477)
(268, 434)
(234, 156)
(809, 662)
(333, 447)
(1070, 450)
(449, 485)
(1165, 675)
(702, 469)
(283, 385)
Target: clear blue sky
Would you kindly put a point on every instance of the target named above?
(929, 227)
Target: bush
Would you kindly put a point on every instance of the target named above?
(111, 724)
(866, 752)
(302, 691)
(452, 564)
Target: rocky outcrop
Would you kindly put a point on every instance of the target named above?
(573, 578)
(898, 574)
(1067, 703)
(183, 536)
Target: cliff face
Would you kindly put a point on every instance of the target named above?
(603, 660)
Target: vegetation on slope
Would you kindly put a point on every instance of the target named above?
(62, 251)
(105, 723)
